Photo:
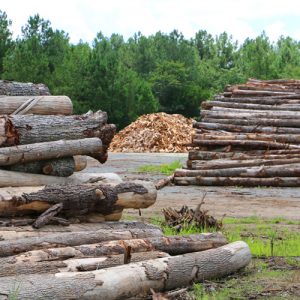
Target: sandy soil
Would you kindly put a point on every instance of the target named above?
(232, 201)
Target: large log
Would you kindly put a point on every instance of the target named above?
(246, 129)
(34, 261)
(15, 233)
(49, 150)
(238, 181)
(255, 121)
(225, 164)
(14, 88)
(249, 144)
(292, 170)
(29, 129)
(64, 239)
(79, 199)
(286, 107)
(258, 154)
(124, 282)
(12, 267)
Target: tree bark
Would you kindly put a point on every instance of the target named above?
(133, 280)
(252, 144)
(50, 150)
(79, 199)
(277, 100)
(246, 129)
(255, 122)
(64, 239)
(14, 88)
(239, 181)
(225, 164)
(62, 167)
(41, 261)
(292, 170)
(30, 129)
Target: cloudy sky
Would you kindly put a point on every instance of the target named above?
(82, 19)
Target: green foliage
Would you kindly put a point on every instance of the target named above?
(145, 74)
(166, 169)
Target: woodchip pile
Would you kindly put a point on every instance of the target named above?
(249, 136)
(159, 132)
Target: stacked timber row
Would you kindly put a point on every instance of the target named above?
(113, 260)
(248, 136)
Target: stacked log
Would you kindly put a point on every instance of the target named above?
(248, 136)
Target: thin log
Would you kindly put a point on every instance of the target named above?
(14, 88)
(64, 239)
(164, 182)
(225, 164)
(246, 129)
(15, 233)
(242, 93)
(29, 129)
(258, 154)
(135, 279)
(278, 100)
(255, 122)
(239, 181)
(49, 150)
(286, 107)
(80, 162)
(244, 143)
(62, 167)
(292, 170)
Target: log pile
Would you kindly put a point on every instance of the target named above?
(113, 260)
(248, 136)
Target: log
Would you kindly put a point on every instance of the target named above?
(64, 239)
(225, 164)
(280, 138)
(40, 261)
(278, 100)
(292, 170)
(262, 93)
(209, 155)
(10, 267)
(80, 162)
(15, 233)
(30, 129)
(255, 121)
(49, 150)
(241, 114)
(247, 129)
(239, 181)
(62, 167)
(249, 144)
(79, 199)
(14, 88)
(136, 279)
(286, 107)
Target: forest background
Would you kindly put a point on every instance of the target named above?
(143, 74)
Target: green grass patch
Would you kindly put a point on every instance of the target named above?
(166, 169)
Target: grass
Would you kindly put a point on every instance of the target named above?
(274, 272)
(166, 169)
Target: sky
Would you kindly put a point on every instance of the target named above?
(83, 19)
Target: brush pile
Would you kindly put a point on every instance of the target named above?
(158, 132)
(249, 136)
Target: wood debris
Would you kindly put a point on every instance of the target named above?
(158, 132)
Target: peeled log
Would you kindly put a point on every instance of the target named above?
(49, 150)
(64, 239)
(29, 129)
(10, 267)
(292, 170)
(124, 282)
(225, 164)
(239, 181)
(14, 88)
(79, 199)
(62, 167)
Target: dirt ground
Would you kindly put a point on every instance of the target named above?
(232, 201)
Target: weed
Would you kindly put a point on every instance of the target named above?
(166, 169)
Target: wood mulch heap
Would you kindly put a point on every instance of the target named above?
(158, 132)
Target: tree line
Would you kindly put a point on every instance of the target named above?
(144, 74)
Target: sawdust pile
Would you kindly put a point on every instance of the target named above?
(158, 132)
